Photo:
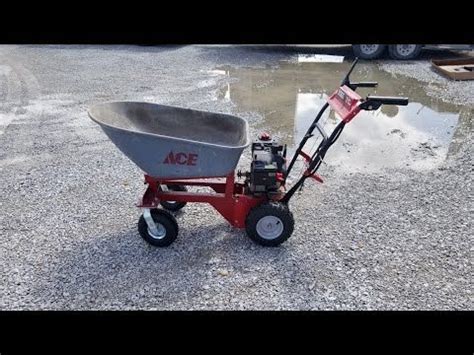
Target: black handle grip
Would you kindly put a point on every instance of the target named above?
(365, 84)
(389, 100)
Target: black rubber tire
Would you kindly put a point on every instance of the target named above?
(276, 209)
(395, 54)
(167, 220)
(358, 51)
(174, 206)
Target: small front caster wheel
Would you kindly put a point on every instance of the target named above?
(270, 224)
(158, 227)
(172, 206)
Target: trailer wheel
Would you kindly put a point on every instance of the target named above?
(404, 51)
(173, 206)
(368, 51)
(164, 231)
(270, 224)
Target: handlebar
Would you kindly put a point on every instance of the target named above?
(389, 100)
(348, 104)
(346, 79)
(354, 86)
(365, 84)
(374, 102)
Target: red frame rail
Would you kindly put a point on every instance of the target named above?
(229, 199)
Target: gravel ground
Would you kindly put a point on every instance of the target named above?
(395, 240)
(437, 86)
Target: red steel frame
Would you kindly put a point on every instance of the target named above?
(229, 199)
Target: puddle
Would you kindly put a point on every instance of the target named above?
(320, 58)
(288, 97)
(215, 72)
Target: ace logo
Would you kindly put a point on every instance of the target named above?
(181, 158)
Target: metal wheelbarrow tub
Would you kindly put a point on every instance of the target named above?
(173, 142)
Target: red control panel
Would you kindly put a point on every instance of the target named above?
(345, 102)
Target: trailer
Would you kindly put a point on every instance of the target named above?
(402, 51)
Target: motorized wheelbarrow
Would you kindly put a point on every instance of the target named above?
(179, 147)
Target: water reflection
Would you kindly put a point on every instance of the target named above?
(320, 58)
(417, 136)
(405, 136)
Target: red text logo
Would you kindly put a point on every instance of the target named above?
(181, 158)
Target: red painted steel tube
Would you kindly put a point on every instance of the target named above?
(229, 200)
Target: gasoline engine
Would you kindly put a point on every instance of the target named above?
(268, 167)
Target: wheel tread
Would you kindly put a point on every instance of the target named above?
(164, 217)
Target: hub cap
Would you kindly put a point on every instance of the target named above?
(406, 49)
(160, 231)
(270, 227)
(369, 48)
